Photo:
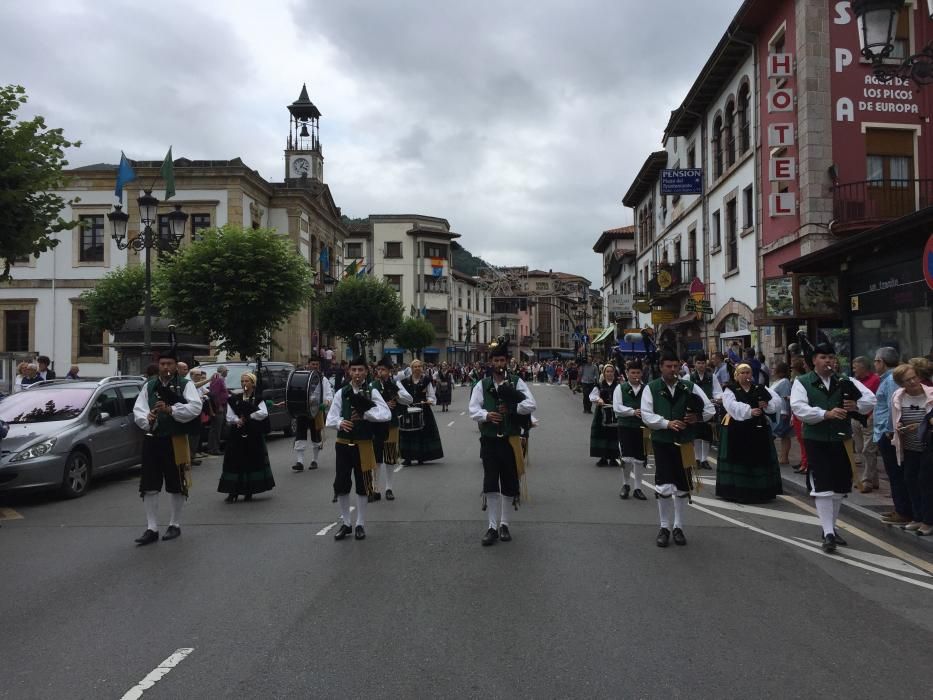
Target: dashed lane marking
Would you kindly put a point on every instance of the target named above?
(754, 510)
(9, 514)
(450, 424)
(324, 530)
(462, 413)
(157, 674)
(399, 468)
(887, 562)
(813, 548)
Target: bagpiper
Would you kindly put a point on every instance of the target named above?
(626, 402)
(386, 435)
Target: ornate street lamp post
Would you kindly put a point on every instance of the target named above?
(147, 239)
(877, 25)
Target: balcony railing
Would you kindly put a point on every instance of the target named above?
(681, 273)
(863, 204)
(433, 287)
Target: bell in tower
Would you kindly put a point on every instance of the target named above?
(304, 159)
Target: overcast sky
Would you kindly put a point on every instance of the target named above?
(522, 122)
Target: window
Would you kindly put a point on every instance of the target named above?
(17, 330)
(129, 394)
(691, 271)
(728, 137)
(469, 299)
(394, 281)
(692, 156)
(663, 209)
(744, 118)
(460, 328)
(394, 249)
(732, 238)
(748, 204)
(459, 296)
(198, 223)
(90, 340)
(717, 147)
(716, 230)
(902, 35)
(484, 305)
(107, 401)
(354, 250)
(435, 250)
(91, 247)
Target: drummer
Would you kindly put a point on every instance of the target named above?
(304, 424)
(604, 434)
(422, 445)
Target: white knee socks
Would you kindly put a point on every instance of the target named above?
(151, 504)
(666, 511)
(825, 510)
(506, 507)
(315, 450)
(701, 449)
(493, 509)
(680, 506)
(343, 502)
(361, 509)
(300, 450)
(386, 471)
(639, 472)
(837, 506)
(177, 501)
(626, 470)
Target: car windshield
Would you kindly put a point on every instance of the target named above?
(43, 405)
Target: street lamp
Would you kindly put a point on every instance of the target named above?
(877, 23)
(147, 239)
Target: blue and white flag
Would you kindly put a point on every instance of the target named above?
(125, 174)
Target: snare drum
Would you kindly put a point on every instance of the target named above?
(609, 417)
(412, 420)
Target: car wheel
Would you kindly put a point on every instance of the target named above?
(77, 475)
(291, 428)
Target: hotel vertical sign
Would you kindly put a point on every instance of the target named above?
(782, 168)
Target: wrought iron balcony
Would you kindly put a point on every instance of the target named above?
(680, 273)
(860, 205)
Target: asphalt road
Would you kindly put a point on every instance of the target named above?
(580, 604)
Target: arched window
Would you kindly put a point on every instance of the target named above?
(745, 141)
(717, 147)
(728, 137)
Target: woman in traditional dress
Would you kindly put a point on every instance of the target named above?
(246, 467)
(604, 440)
(425, 444)
(443, 386)
(748, 470)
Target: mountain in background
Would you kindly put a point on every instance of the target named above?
(463, 260)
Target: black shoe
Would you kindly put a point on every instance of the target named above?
(504, 533)
(298, 467)
(230, 498)
(389, 495)
(313, 464)
(614, 463)
(839, 540)
(148, 537)
(171, 532)
(248, 497)
(679, 537)
(420, 461)
(829, 543)
(705, 465)
(360, 533)
(664, 537)
(638, 495)
(377, 496)
(626, 489)
(406, 463)
(490, 537)
(195, 462)
(334, 499)
(342, 531)
(602, 463)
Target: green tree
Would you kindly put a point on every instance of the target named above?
(361, 305)
(414, 334)
(117, 298)
(236, 285)
(32, 157)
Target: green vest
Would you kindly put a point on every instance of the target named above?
(631, 400)
(166, 426)
(379, 386)
(362, 430)
(511, 425)
(706, 383)
(671, 408)
(818, 396)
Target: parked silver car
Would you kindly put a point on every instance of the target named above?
(63, 432)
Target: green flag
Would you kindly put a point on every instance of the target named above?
(168, 174)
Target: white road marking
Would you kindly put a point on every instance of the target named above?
(399, 468)
(814, 549)
(462, 413)
(754, 510)
(887, 562)
(325, 530)
(450, 424)
(157, 674)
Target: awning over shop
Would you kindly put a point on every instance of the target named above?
(607, 331)
(681, 321)
(394, 351)
(431, 351)
(632, 348)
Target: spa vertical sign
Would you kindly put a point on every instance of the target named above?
(782, 167)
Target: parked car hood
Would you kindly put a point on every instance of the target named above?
(23, 435)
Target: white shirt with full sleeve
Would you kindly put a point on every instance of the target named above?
(811, 415)
(595, 395)
(259, 414)
(183, 412)
(430, 394)
(742, 411)
(618, 407)
(404, 397)
(478, 413)
(656, 422)
(380, 413)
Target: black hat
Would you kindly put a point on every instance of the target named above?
(701, 357)
(386, 362)
(358, 361)
(172, 352)
(668, 355)
(824, 348)
(314, 357)
(502, 348)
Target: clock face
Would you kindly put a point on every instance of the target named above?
(301, 166)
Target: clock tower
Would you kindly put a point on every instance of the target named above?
(303, 157)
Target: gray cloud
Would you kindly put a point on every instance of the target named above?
(521, 122)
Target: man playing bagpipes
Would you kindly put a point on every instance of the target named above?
(824, 402)
(385, 435)
(502, 405)
(704, 378)
(354, 410)
(670, 407)
(626, 402)
(167, 409)
(305, 424)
